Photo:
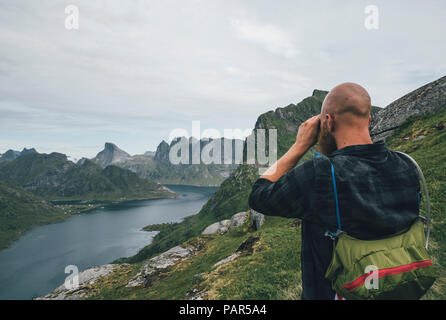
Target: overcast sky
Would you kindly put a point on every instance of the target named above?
(136, 70)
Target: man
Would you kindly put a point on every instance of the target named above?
(377, 189)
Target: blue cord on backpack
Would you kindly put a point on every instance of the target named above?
(338, 217)
(336, 197)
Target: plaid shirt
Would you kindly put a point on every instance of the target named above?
(378, 195)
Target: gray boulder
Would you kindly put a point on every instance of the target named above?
(256, 219)
(238, 219)
(86, 278)
(224, 225)
(218, 227)
(159, 262)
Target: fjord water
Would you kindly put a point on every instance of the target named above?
(35, 264)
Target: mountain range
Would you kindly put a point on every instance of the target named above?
(54, 177)
(156, 165)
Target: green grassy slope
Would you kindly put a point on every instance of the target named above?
(21, 210)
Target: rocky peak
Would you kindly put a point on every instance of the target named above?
(10, 155)
(56, 155)
(287, 119)
(110, 146)
(162, 152)
(110, 155)
(27, 151)
(319, 93)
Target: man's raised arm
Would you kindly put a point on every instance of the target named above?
(280, 190)
(306, 138)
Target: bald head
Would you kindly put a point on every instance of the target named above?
(349, 102)
(345, 118)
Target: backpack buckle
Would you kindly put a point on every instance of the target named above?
(332, 235)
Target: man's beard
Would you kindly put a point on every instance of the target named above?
(326, 142)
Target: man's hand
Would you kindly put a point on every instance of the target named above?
(308, 133)
(306, 137)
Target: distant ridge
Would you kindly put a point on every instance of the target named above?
(11, 155)
(54, 177)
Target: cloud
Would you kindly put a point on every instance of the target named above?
(133, 72)
(272, 38)
(237, 72)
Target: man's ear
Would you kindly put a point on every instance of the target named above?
(370, 120)
(330, 122)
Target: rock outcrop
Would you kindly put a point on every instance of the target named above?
(222, 226)
(160, 262)
(217, 228)
(426, 100)
(86, 278)
(238, 219)
(256, 219)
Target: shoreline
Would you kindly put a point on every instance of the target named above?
(98, 205)
(68, 215)
(153, 229)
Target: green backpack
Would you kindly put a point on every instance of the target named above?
(397, 267)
